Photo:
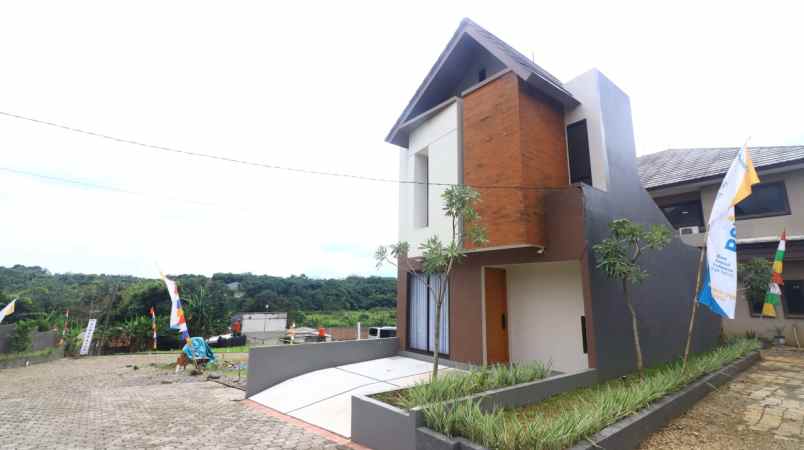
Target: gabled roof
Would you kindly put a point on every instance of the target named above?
(686, 165)
(523, 67)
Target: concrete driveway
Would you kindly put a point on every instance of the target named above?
(323, 397)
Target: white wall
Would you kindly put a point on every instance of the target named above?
(585, 88)
(545, 305)
(438, 136)
(259, 322)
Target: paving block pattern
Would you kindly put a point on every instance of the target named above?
(103, 402)
(762, 408)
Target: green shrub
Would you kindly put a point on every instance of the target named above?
(562, 420)
(21, 339)
(454, 385)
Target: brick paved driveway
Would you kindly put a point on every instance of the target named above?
(98, 402)
(763, 408)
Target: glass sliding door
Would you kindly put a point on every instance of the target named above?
(421, 317)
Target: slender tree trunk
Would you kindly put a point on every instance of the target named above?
(694, 310)
(437, 347)
(635, 328)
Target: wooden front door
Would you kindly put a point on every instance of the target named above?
(496, 316)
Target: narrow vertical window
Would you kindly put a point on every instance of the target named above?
(578, 153)
(481, 74)
(422, 189)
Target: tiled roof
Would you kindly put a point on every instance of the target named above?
(685, 165)
(510, 58)
(518, 58)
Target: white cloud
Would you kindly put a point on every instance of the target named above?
(318, 85)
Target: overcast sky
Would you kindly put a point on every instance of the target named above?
(317, 86)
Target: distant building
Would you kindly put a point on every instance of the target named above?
(257, 322)
(684, 183)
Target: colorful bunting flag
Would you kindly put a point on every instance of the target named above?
(774, 288)
(153, 324)
(177, 320)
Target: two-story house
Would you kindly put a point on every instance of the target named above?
(554, 163)
(684, 182)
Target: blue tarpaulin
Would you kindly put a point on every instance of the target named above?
(200, 350)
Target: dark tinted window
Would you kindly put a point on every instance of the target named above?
(765, 200)
(372, 331)
(578, 152)
(481, 74)
(684, 214)
(756, 306)
(793, 297)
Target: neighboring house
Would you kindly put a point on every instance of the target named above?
(554, 163)
(257, 322)
(684, 182)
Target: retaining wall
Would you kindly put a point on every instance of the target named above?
(268, 366)
(627, 433)
(376, 424)
(40, 340)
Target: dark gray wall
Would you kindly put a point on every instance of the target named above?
(663, 301)
(268, 366)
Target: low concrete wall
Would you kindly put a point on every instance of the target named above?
(629, 432)
(268, 366)
(379, 425)
(376, 424)
(533, 392)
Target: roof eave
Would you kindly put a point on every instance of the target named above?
(793, 162)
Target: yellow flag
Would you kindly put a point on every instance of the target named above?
(7, 310)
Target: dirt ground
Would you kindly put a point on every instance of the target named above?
(763, 408)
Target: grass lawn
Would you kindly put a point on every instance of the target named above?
(565, 419)
(238, 349)
(454, 385)
(10, 356)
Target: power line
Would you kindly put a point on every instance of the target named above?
(259, 164)
(100, 186)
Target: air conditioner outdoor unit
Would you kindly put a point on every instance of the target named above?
(689, 230)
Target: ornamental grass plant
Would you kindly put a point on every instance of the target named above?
(455, 385)
(565, 419)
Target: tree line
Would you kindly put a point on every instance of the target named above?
(120, 303)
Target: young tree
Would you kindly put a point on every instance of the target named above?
(754, 276)
(439, 258)
(618, 256)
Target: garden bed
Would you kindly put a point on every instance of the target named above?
(455, 385)
(389, 420)
(568, 418)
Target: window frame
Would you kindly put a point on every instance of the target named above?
(785, 309)
(698, 206)
(785, 212)
(582, 180)
(411, 279)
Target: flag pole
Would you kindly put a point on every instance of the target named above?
(694, 308)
